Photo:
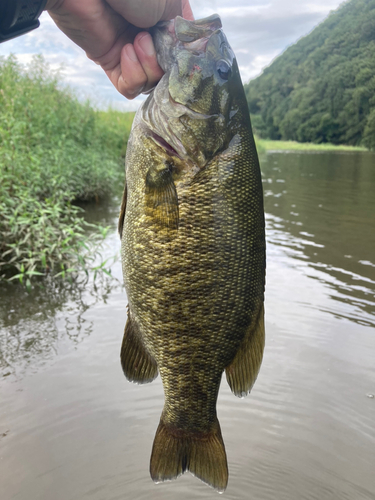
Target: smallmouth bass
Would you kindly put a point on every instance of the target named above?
(193, 246)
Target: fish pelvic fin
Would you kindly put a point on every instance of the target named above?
(137, 363)
(243, 370)
(203, 454)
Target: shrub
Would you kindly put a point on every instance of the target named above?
(54, 151)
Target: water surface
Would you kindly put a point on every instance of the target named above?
(72, 427)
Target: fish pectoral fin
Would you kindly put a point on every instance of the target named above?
(175, 450)
(122, 212)
(137, 363)
(243, 370)
(161, 198)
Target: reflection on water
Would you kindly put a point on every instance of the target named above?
(74, 428)
(32, 325)
(321, 210)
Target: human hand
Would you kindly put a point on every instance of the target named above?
(111, 34)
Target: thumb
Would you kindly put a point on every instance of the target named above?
(175, 8)
(187, 13)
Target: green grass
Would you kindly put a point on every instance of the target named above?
(264, 145)
(54, 151)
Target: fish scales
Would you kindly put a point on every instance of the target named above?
(193, 250)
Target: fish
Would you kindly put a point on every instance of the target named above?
(193, 246)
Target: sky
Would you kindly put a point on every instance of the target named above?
(257, 30)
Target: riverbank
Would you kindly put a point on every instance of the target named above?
(264, 145)
(55, 151)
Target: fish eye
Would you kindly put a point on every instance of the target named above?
(224, 69)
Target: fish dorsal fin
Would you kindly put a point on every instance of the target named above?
(189, 31)
(161, 198)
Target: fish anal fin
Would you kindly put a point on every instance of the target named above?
(137, 363)
(243, 370)
(122, 212)
(161, 198)
(174, 451)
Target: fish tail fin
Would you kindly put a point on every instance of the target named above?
(203, 454)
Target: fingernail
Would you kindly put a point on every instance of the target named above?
(136, 91)
(130, 52)
(129, 93)
(146, 44)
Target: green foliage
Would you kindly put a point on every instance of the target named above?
(115, 129)
(322, 89)
(54, 151)
(369, 133)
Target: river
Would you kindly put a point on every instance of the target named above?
(72, 427)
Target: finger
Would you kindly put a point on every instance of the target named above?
(146, 13)
(128, 77)
(172, 9)
(187, 13)
(95, 29)
(145, 50)
(111, 59)
(175, 8)
(142, 13)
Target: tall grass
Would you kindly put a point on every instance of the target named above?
(54, 151)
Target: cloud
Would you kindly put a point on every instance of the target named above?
(265, 28)
(83, 75)
(257, 33)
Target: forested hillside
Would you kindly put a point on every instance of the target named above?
(322, 89)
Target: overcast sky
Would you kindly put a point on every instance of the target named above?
(258, 31)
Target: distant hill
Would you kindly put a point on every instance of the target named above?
(322, 89)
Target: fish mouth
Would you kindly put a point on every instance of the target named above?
(194, 42)
(191, 31)
(192, 35)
